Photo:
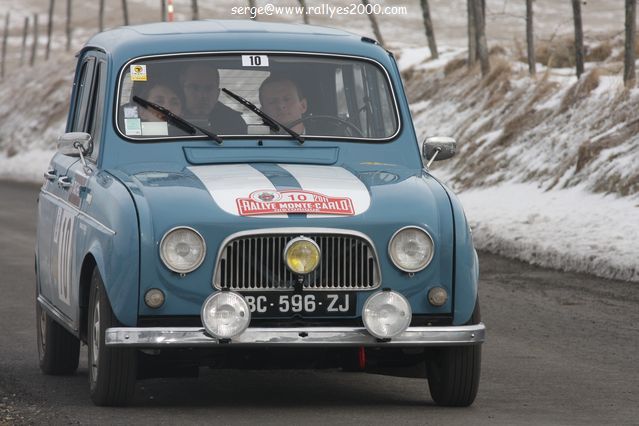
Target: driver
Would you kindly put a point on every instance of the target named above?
(281, 98)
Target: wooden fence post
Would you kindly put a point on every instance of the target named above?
(125, 12)
(5, 37)
(49, 29)
(101, 16)
(34, 46)
(194, 10)
(629, 56)
(530, 39)
(430, 32)
(304, 15)
(371, 17)
(25, 33)
(69, 29)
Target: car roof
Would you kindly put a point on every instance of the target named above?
(127, 42)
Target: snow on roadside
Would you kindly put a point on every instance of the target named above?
(568, 229)
(27, 166)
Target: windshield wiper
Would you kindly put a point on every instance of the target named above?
(270, 121)
(176, 120)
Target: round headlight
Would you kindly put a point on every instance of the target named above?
(411, 249)
(225, 314)
(302, 255)
(386, 314)
(182, 250)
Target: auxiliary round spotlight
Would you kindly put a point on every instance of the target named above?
(225, 314)
(437, 296)
(154, 298)
(302, 255)
(386, 314)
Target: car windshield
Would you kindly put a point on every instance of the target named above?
(312, 95)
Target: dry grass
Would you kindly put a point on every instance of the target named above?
(580, 90)
(599, 53)
(560, 53)
(453, 65)
(500, 72)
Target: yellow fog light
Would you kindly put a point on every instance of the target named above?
(302, 255)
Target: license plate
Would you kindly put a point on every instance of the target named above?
(320, 304)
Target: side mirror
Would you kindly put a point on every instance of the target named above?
(438, 148)
(74, 144)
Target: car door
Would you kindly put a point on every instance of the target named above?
(64, 192)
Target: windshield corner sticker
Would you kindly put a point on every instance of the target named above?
(138, 72)
(264, 202)
(132, 126)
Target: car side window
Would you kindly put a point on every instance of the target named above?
(82, 95)
(96, 109)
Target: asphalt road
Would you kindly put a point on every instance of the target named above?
(562, 348)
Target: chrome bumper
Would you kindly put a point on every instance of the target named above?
(160, 337)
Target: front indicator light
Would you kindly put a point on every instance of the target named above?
(154, 298)
(386, 314)
(225, 314)
(437, 296)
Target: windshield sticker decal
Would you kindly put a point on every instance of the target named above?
(131, 112)
(293, 201)
(138, 72)
(155, 128)
(254, 61)
(132, 126)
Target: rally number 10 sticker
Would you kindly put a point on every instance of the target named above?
(293, 201)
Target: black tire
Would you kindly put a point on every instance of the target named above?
(58, 350)
(453, 372)
(112, 371)
(453, 375)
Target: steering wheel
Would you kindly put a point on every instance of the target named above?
(349, 128)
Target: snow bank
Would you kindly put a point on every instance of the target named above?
(568, 229)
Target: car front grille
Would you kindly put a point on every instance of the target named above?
(256, 262)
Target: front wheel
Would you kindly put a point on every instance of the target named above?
(112, 371)
(58, 350)
(453, 375)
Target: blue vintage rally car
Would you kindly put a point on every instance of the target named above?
(247, 195)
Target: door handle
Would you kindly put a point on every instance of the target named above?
(64, 182)
(50, 174)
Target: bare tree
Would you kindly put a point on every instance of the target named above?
(101, 16)
(629, 57)
(530, 40)
(304, 15)
(194, 10)
(5, 37)
(579, 37)
(25, 33)
(163, 8)
(371, 17)
(472, 33)
(482, 45)
(428, 26)
(34, 46)
(49, 29)
(125, 12)
(69, 29)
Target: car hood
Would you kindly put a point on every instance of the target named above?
(276, 195)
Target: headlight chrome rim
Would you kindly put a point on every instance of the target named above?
(239, 298)
(195, 265)
(299, 239)
(371, 327)
(428, 259)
